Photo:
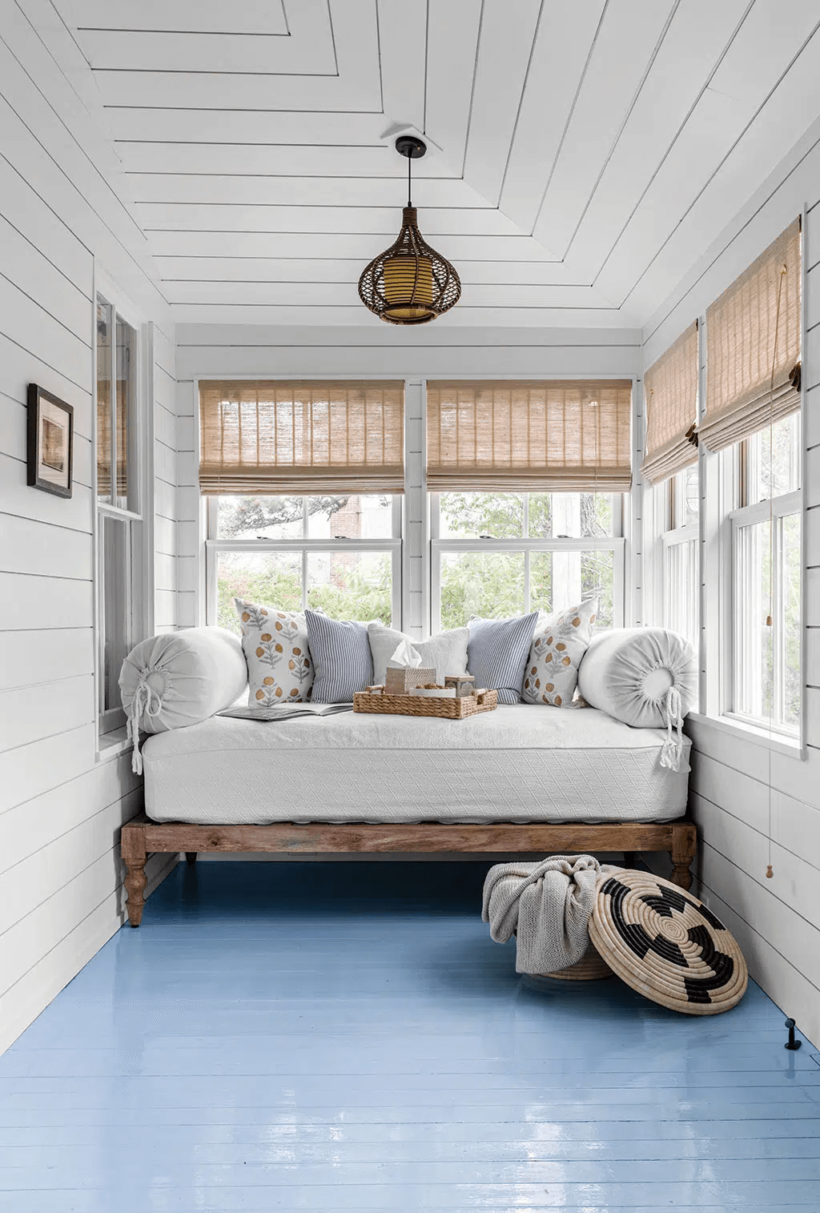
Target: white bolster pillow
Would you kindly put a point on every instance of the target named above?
(628, 672)
(180, 678)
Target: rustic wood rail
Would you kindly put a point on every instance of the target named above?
(142, 837)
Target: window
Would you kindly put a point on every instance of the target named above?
(765, 573)
(120, 582)
(503, 553)
(681, 549)
(340, 554)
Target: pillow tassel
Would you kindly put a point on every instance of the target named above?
(146, 699)
(672, 750)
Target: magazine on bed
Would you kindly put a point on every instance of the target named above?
(286, 711)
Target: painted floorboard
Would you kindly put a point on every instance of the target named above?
(347, 1037)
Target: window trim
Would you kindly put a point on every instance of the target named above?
(614, 543)
(392, 547)
(109, 724)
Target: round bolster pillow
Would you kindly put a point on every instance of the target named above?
(628, 672)
(180, 678)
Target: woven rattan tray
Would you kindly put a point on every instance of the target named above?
(411, 705)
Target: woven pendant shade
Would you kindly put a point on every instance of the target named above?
(409, 283)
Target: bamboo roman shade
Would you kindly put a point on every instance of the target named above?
(752, 330)
(301, 437)
(671, 388)
(561, 435)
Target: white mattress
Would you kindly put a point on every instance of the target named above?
(517, 764)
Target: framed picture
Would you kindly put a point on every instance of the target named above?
(50, 442)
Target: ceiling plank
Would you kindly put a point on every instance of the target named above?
(241, 159)
(367, 220)
(300, 191)
(452, 44)
(507, 34)
(204, 16)
(627, 39)
(307, 50)
(463, 315)
(244, 126)
(402, 46)
(333, 269)
(324, 293)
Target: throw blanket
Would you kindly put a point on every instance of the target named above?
(547, 904)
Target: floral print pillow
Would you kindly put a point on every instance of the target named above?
(557, 649)
(275, 642)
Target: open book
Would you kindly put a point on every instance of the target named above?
(286, 711)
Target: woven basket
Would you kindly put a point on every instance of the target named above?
(411, 705)
(666, 944)
(591, 967)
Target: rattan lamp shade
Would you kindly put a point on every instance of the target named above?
(409, 283)
(753, 346)
(301, 437)
(671, 392)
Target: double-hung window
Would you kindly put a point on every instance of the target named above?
(304, 482)
(496, 554)
(681, 547)
(765, 576)
(340, 554)
(120, 574)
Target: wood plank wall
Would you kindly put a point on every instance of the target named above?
(776, 920)
(220, 351)
(60, 808)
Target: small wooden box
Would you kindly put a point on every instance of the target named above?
(399, 681)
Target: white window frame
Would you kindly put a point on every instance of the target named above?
(672, 537)
(615, 544)
(214, 545)
(138, 594)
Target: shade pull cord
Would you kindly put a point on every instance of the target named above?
(146, 700)
(672, 749)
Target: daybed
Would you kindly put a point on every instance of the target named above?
(519, 779)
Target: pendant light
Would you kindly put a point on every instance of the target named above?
(409, 283)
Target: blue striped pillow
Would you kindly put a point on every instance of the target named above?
(342, 662)
(497, 654)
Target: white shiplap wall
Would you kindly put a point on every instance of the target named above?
(61, 808)
(735, 778)
(222, 351)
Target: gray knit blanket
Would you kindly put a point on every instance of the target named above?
(547, 904)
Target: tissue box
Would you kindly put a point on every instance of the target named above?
(399, 681)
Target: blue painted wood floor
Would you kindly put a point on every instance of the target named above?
(347, 1037)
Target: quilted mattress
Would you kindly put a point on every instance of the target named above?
(517, 764)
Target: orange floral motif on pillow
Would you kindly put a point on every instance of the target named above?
(557, 650)
(275, 644)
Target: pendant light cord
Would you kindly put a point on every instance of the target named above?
(409, 180)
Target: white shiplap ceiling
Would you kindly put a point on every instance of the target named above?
(590, 149)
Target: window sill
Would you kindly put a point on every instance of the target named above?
(776, 742)
(113, 744)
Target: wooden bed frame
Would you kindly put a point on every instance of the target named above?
(142, 837)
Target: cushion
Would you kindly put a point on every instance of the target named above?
(446, 652)
(498, 651)
(628, 673)
(342, 663)
(190, 675)
(556, 653)
(276, 650)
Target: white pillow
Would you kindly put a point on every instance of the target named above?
(627, 673)
(557, 650)
(445, 652)
(275, 643)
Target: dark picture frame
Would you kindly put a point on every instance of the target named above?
(50, 442)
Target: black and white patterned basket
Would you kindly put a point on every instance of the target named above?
(667, 945)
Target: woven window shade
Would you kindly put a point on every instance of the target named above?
(741, 395)
(301, 437)
(671, 388)
(541, 436)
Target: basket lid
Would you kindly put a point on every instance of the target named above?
(666, 944)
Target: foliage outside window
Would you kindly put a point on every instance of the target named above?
(337, 554)
(766, 579)
(119, 519)
(497, 554)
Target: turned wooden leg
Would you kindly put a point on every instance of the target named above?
(190, 856)
(135, 882)
(132, 845)
(684, 849)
